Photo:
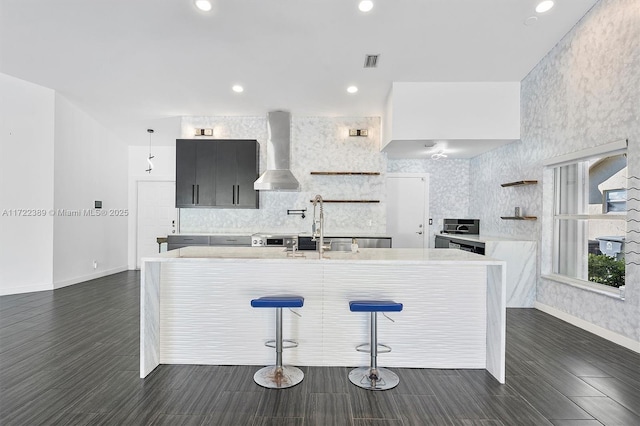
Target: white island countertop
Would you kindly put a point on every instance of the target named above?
(374, 255)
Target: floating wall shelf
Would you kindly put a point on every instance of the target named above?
(347, 173)
(349, 201)
(519, 217)
(519, 183)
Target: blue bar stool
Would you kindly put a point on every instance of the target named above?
(373, 377)
(279, 376)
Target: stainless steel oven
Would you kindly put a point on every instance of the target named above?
(269, 240)
(461, 226)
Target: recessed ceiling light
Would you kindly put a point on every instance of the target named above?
(544, 6)
(237, 88)
(352, 89)
(365, 5)
(203, 5)
(531, 20)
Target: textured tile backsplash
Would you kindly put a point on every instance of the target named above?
(317, 144)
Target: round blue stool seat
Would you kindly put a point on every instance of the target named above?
(374, 377)
(375, 306)
(278, 376)
(278, 302)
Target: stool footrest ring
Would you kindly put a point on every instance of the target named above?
(291, 343)
(366, 347)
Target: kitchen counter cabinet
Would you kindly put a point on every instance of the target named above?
(195, 307)
(520, 257)
(182, 241)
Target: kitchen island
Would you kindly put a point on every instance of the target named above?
(195, 307)
(519, 256)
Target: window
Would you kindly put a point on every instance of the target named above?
(589, 218)
(615, 200)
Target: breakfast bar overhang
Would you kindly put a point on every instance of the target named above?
(195, 307)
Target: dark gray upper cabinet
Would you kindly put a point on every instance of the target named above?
(216, 173)
(236, 171)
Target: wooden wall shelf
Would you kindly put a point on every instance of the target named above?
(347, 173)
(519, 217)
(519, 183)
(349, 201)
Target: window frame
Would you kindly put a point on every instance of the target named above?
(550, 165)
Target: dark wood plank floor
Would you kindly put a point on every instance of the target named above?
(70, 357)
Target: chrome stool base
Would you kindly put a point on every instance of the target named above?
(274, 377)
(378, 379)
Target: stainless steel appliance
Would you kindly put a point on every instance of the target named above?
(344, 243)
(278, 177)
(473, 247)
(461, 226)
(269, 240)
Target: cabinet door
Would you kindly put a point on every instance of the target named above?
(226, 169)
(205, 195)
(185, 173)
(247, 153)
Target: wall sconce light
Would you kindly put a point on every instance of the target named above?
(150, 131)
(204, 132)
(358, 132)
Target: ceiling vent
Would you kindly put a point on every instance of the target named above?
(371, 61)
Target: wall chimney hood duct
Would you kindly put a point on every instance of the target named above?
(278, 177)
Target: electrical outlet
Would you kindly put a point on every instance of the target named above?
(95, 264)
(370, 222)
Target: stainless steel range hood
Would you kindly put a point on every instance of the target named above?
(278, 177)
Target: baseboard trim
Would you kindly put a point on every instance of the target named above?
(592, 328)
(27, 289)
(77, 280)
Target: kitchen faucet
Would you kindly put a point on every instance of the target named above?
(317, 229)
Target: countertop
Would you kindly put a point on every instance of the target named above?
(345, 235)
(481, 238)
(375, 255)
(300, 234)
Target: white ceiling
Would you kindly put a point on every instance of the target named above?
(130, 63)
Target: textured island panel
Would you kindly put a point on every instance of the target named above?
(453, 316)
(442, 324)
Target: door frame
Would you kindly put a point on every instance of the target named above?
(426, 234)
(134, 213)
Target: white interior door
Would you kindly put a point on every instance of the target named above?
(408, 209)
(157, 216)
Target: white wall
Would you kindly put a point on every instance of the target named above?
(90, 165)
(584, 93)
(26, 170)
(55, 157)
